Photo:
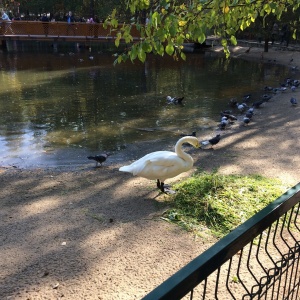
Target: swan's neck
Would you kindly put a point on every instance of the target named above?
(178, 149)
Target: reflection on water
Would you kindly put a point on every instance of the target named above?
(52, 103)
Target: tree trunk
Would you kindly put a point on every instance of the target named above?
(266, 46)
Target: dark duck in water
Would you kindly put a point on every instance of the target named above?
(174, 100)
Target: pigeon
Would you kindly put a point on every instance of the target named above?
(268, 88)
(228, 116)
(241, 107)
(192, 134)
(246, 120)
(293, 101)
(99, 158)
(250, 110)
(266, 97)
(227, 111)
(247, 97)
(174, 100)
(249, 115)
(257, 104)
(213, 141)
(232, 102)
(224, 120)
(222, 125)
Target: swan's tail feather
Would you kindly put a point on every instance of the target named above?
(125, 169)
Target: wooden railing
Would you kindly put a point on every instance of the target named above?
(50, 30)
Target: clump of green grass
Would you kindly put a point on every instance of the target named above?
(219, 203)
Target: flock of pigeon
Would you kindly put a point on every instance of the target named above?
(245, 108)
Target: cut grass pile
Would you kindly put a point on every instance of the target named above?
(216, 204)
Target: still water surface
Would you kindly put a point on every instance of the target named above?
(57, 108)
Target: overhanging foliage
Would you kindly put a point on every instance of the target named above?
(170, 23)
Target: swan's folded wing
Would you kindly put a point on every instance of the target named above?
(164, 158)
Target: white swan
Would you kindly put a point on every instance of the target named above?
(161, 165)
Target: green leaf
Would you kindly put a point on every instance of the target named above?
(182, 55)
(233, 40)
(201, 38)
(117, 40)
(133, 53)
(141, 55)
(114, 23)
(170, 49)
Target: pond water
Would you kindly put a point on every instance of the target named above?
(57, 108)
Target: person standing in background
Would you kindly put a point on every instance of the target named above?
(96, 26)
(70, 19)
(275, 33)
(45, 21)
(4, 17)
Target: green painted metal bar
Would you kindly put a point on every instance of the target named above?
(182, 282)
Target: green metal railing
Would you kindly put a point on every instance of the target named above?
(257, 260)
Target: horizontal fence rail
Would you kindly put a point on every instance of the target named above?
(257, 260)
(60, 30)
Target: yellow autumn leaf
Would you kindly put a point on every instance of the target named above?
(182, 23)
(226, 10)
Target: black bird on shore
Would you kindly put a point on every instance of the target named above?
(213, 141)
(101, 158)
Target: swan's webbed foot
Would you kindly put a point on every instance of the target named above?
(164, 188)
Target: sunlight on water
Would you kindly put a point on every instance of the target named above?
(52, 103)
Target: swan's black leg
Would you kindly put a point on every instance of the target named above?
(158, 184)
(162, 187)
